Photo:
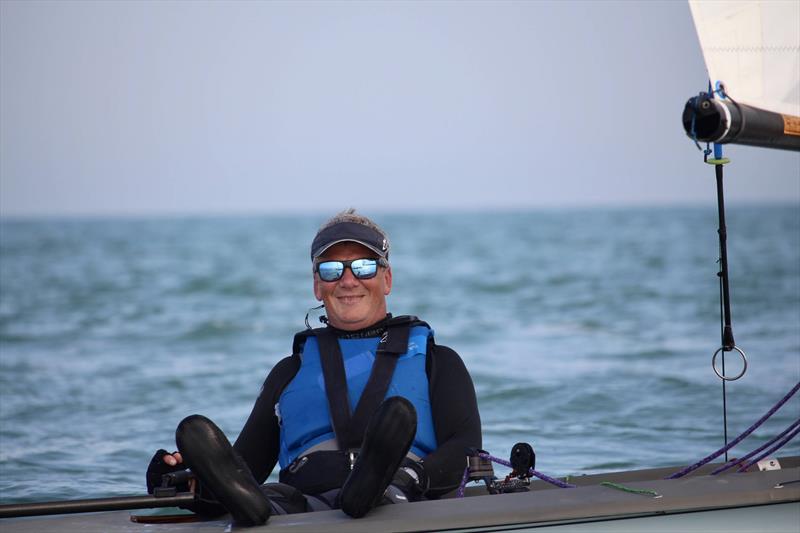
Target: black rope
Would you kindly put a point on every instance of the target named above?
(727, 332)
(725, 301)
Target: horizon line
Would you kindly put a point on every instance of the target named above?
(424, 210)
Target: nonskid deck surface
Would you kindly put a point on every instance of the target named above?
(700, 495)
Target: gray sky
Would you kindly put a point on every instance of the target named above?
(193, 107)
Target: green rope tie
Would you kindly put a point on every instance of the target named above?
(623, 488)
(723, 161)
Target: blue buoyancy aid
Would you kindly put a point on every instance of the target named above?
(303, 410)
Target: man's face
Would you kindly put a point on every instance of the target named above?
(353, 303)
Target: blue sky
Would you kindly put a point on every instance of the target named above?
(256, 107)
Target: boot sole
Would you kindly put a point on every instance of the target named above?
(214, 461)
(387, 440)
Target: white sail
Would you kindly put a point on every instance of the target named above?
(753, 48)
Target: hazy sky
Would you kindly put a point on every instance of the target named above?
(191, 107)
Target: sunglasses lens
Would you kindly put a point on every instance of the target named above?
(364, 268)
(361, 268)
(330, 270)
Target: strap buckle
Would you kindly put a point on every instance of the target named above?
(352, 455)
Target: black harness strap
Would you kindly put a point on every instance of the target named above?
(393, 344)
(335, 384)
(349, 430)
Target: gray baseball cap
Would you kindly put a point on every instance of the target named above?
(350, 232)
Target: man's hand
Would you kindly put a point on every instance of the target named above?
(162, 463)
(172, 459)
(411, 479)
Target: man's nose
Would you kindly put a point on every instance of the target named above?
(348, 279)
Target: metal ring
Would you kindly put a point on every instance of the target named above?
(714, 364)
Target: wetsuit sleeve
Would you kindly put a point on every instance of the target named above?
(455, 417)
(259, 441)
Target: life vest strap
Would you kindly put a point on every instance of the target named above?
(335, 385)
(393, 344)
(349, 430)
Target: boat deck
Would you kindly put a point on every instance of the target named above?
(698, 502)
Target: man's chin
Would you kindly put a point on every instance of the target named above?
(350, 321)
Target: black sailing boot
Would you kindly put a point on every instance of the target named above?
(211, 457)
(387, 440)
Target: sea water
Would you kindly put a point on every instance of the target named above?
(587, 332)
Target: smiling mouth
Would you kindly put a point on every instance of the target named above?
(349, 300)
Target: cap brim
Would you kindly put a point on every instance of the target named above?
(349, 232)
(362, 243)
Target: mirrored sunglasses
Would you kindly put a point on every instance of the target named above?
(361, 268)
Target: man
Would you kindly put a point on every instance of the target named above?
(366, 409)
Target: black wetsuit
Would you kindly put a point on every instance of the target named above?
(456, 424)
(453, 406)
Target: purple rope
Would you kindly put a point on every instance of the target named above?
(735, 461)
(543, 477)
(786, 439)
(738, 439)
(460, 493)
